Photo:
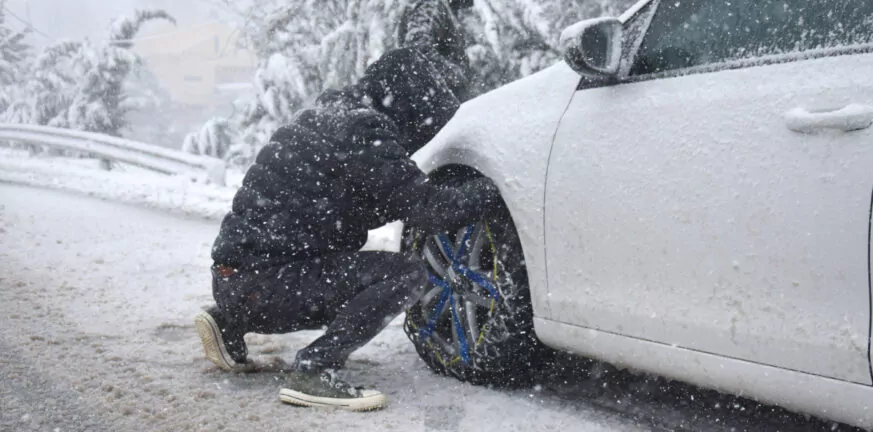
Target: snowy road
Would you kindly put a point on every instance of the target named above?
(97, 300)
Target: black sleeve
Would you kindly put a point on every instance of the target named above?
(379, 164)
(403, 192)
(447, 208)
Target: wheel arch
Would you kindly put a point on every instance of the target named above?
(454, 169)
(461, 171)
(506, 135)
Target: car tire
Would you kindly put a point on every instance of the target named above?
(498, 346)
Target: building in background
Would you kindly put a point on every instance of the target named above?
(204, 67)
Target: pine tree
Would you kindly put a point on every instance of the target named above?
(151, 118)
(14, 56)
(101, 102)
(83, 85)
(214, 139)
(49, 89)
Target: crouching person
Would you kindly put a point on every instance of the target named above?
(287, 256)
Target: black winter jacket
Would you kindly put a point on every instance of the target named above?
(343, 168)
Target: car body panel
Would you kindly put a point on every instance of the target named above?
(838, 400)
(686, 230)
(683, 211)
(506, 135)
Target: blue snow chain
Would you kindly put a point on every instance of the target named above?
(462, 338)
(444, 296)
(447, 247)
(462, 250)
(456, 257)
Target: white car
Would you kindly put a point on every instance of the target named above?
(688, 194)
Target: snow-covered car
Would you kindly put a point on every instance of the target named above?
(687, 194)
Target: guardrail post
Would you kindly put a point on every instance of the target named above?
(217, 172)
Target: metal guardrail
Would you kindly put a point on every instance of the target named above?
(111, 148)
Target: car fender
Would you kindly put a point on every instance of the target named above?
(506, 135)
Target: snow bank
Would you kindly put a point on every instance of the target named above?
(131, 185)
(127, 184)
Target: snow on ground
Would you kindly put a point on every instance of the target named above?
(98, 300)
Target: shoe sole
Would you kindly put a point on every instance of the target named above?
(213, 343)
(367, 403)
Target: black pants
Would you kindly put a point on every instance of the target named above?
(354, 294)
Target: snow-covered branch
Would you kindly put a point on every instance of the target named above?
(306, 46)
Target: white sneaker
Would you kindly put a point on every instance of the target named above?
(215, 345)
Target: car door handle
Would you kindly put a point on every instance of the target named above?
(849, 118)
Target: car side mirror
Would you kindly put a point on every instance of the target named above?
(593, 47)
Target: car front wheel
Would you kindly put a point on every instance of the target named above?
(475, 320)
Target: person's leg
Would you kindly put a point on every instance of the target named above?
(353, 293)
(273, 300)
(368, 290)
(220, 331)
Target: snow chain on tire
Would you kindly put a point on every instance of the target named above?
(504, 350)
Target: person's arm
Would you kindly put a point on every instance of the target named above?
(404, 192)
(379, 163)
(445, 208)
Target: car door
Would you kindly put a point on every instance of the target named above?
(718, 197)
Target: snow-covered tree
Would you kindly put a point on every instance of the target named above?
(14, 56)
(84, 85)
(101, 103)
(14, 51)
(306, 46)
(152, 118)
(214, 139)
(510, 39)
(48, 90)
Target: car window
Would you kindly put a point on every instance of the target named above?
(686, 33)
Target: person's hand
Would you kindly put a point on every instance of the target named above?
(485, 192)
(460, 4)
